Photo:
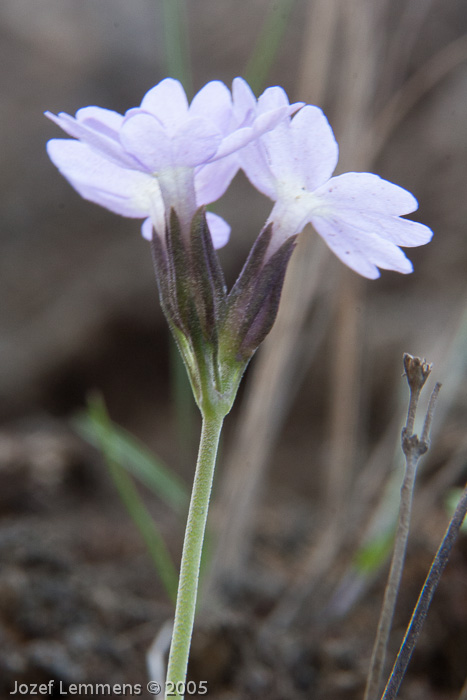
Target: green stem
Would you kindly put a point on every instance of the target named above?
(192, 548)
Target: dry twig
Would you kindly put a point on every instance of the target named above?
(417, 372)
(418, 618)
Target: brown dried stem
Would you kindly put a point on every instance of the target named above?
(417, 372)
(431, 582)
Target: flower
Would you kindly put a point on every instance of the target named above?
(154, 157)
(248, 119)
(357, 214)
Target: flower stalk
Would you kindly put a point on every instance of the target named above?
(192, 549)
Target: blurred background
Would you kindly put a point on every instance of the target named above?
(312, 443)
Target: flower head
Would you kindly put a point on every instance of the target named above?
(357, 214)
(147, 161)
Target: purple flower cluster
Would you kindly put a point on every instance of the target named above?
(165, 153)
(168, 154)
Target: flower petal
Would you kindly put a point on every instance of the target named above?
(147, 229)
(142, 136)
(195, 142)
(213, 101)
(98, 139)
(256, 166)
(273, 98)
(104, 120)
(244, 102)
(218, 228)
(167, 101)
(252, 118)
(239, 138)
(234, 141)
(314, 146)
(368, 192)
(280, 155)
(399, 231)
(213, 179)
(123, 191)
(362, 251)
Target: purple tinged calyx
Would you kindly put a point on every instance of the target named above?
(217, 332)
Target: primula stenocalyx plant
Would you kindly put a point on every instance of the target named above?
(163, 162)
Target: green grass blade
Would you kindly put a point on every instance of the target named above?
(146, 525)
(132, 500)
(132, 455)
(176, 42)
(268, 44)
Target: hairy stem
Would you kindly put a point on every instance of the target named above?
(192, 548)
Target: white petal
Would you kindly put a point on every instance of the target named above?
(219, 229)
(195, 142)
(314, 146)
(104, 120)
(147, 229)
(269, 120)
(214, 102)
(244, 101)
(399, 231)
(368, 192)
(143, 137)
(114, 203)
(362, 251)
(121, 190)
(98, 139)
(213, 179)
(235, 141)
(167, 101)
(371, 204)
(280, 155)
(272, 98)
(275, 98)
(254, 161)
(241, 137)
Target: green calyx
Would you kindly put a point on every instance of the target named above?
(217, 333)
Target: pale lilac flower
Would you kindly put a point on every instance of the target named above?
(248, 119)
(144, 162)
(357, 214)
